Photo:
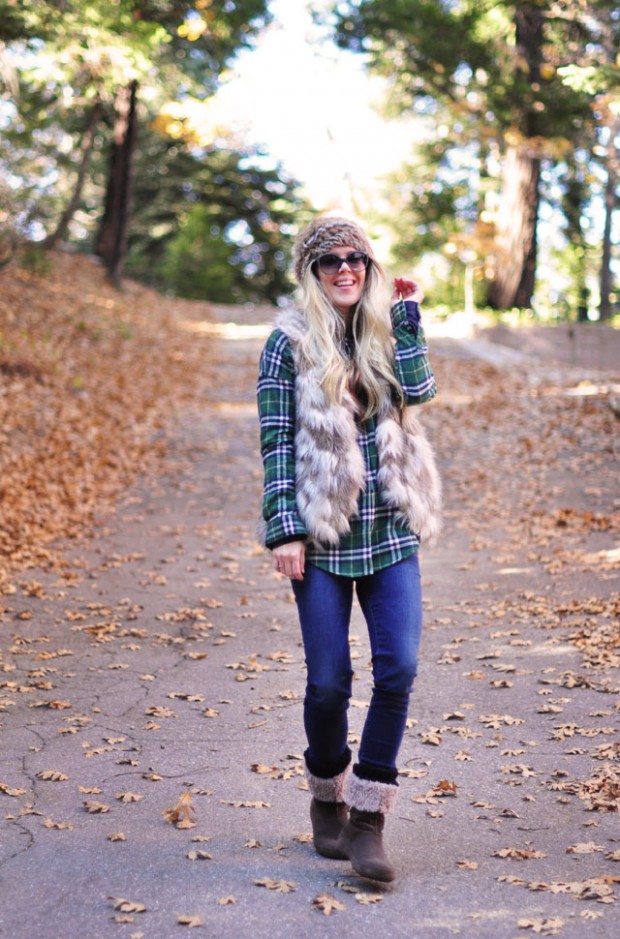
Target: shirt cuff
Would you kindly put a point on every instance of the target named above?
(406, 313)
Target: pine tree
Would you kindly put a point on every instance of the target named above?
(499, 68)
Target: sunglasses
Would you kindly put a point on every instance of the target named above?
(331, 263)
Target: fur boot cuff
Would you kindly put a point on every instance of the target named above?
(328, 790)
(369, 795)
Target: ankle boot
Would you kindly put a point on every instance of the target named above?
(362, 842)
(328, 812)
(328, 820)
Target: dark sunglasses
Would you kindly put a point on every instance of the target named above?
(331, 263)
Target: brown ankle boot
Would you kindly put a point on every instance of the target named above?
(362, 842)
(328, 820)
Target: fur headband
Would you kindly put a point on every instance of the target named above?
(321, 236)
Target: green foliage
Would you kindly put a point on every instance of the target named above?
(213, 224)
(533, 77)
(72, 57)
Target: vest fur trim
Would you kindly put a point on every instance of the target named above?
(330, 471)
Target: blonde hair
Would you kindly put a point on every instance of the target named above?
(372, 364)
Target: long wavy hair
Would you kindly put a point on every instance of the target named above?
(369, 373)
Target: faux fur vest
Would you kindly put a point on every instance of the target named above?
(330, 470)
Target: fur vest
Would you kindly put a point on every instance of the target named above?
(330, 470)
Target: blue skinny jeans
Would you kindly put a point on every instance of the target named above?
(391, 601)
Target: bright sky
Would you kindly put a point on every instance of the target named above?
(311, 106)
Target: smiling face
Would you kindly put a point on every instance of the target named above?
(344, 288)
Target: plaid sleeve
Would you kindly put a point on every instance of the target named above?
(276, 409)
(411, 364)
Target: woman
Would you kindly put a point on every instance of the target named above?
(350, 490)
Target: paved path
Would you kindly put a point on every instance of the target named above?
(165, 660)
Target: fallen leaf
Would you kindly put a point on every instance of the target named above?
(128, 797)
(544, 926)
(60, 826)
(182, 814)
(127, 906)
(445, 788)
(9, 791)
(280, 886)
(191, 921)
(52, 775)
(327, 904)
(196, 855)
(518, 854)
(238, 804)
(587, 847)
(95, 808)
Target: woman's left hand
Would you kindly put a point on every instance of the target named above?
(407, 289)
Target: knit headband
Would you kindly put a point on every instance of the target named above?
(321, 236)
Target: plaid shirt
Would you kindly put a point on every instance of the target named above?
(377, 539)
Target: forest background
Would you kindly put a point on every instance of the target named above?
(110, 143)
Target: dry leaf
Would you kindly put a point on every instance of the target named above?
(196, 855)
(430, 737)
(9, 791)
(467, 865)
(128, 797)
(280, 886)
(52, 775)
(127, 906)
(117, 836)
(518, 854)
(367, 898)
(588, 847)
(445, 788)
(327, 904)
(238, 804)
(60, 826)
(191, 921)
(95, 808)
(182, 814)
(544, 926)
(159, 711)
(303, 838)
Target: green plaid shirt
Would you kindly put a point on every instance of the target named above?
(377, 539)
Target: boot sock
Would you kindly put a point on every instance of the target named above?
(361, 839)
(328, 812)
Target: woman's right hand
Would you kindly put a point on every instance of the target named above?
(290, 559)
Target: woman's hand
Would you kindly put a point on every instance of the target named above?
(407, 289)
(290, 559)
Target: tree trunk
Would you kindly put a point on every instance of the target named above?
(111, 243)
(611, 204)
(88, 142)
(516, 241)
(517, 247)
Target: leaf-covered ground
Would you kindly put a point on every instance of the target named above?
(151, 677)
(88, 378)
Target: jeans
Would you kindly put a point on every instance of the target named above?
(391, 602)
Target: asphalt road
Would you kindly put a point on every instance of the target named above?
(164, 659)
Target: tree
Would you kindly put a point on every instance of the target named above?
(497, 69)
(111, 242)
(80, 60)
(211, 222)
